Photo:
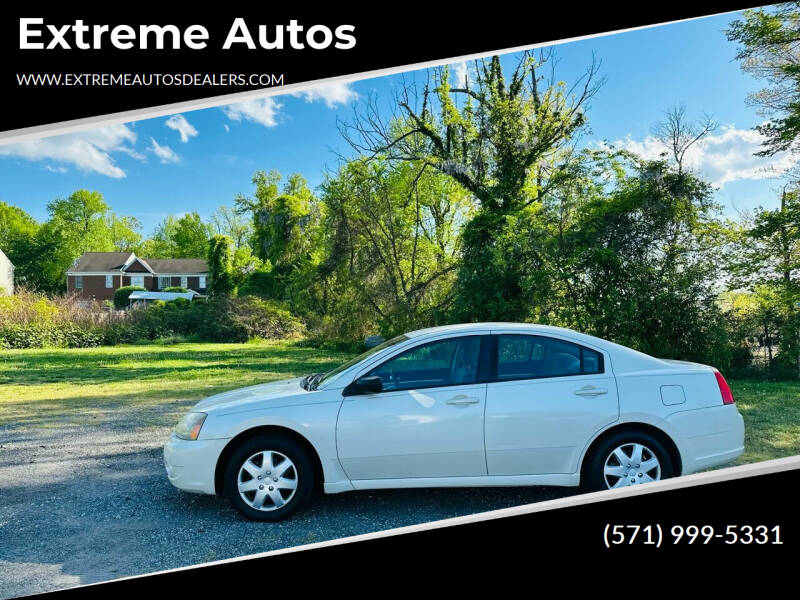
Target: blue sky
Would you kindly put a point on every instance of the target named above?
(201, 160)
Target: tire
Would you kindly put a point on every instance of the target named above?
(280, 494)
(602, 471)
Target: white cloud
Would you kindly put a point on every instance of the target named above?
(227, 129)
(461, 75)
(263, 111)
(90, 151)
(165, 154)
(266, 111)
(721, 158)
(332, 94)
(182, 126)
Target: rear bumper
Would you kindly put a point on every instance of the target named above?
(707, 437)
(191, 465)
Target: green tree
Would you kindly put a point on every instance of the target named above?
(755, 320)
(502, 137)
(641, 265)
(393, 244)
(190, 236)
(81, 219)
(160, 244)
(124, 233)
(220, 266)
(18, 240)
(286, 239)
(230, 222)
(15, 223)
(769, 260)
(178, 237)
(82, 222)
(768, 50)
(281, 216)
(774, 253)
(243, 264)
(623, 248)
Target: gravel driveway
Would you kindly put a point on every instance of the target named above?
(82, 503)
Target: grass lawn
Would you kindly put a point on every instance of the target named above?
(771, 412)
(144, 386)
(150, 384)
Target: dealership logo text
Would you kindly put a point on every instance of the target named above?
(34, 34)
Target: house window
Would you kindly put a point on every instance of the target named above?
(164, 282)
(184, 282)
(137, 280)
(109, 281)
(202, 285)
(78, 282)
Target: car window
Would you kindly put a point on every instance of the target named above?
(453, 361)
(331, 376)
(530, 356)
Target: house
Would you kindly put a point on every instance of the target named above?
(97, 275)
(6, 275)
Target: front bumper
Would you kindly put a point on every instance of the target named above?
(191, 464)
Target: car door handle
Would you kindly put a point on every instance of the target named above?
(590, 390)
(461, 399)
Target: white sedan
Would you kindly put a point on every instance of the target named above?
(492, 404)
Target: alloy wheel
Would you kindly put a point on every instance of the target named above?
(631, 464)
(267, 480)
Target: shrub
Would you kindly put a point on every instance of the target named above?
(266, 319)
(122, 294)
(175, 289)
(55, 335)
(221, 319)
(73, 336)
(262, 283)
(25, 336)
(32, 320)
(27, 307)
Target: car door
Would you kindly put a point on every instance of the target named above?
(546, 400)
(427, 421)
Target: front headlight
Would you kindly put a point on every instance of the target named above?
(189, 426)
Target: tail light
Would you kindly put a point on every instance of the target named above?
(724, 389)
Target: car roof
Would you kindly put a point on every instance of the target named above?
(467, 327)
(625, 359)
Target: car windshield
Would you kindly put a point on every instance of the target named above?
(332, 376)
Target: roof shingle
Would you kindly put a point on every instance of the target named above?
(91, 262)
(100, 261)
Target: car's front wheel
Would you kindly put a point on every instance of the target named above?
(627, 458)
(269, 478)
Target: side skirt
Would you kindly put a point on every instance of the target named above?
(554, 479)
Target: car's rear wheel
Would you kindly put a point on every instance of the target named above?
(627, 458)
(269, 478)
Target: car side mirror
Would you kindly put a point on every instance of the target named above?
(364, 385)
